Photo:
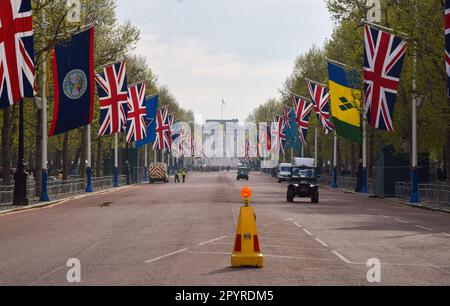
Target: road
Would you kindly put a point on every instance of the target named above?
(171, 234)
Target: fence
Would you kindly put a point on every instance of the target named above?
(346, 183)
(428, 193)
(61, 189)
(438, 193)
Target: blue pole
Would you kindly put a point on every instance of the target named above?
(116, 177)
(364, 181)
(89, 179)
(334, 185)
(44, 194)
(146, 180)
(415, 186)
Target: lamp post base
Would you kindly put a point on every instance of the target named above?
(89, 179)
(44, 193)
(20, 186)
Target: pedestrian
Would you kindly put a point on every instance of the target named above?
(177, 176)
(184, 175)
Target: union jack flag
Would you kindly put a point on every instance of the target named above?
(303, 111)
(383, 63)
(113, 96)
(447, 42)
(163, 132)
(278, 132)
(136, 123)
(321, 98)
(17, 73)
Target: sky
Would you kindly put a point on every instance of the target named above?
(241, 51)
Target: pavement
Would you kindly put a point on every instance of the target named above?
(167, 234)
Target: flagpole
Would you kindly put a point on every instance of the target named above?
(316, 145)
(116, 160)
(414, 162)
(127, 164)
(44, 193)
(89, 159)
(334, 184)
(146, 180)
(364, 156)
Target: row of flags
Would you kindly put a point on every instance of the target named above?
(338, 105)
(122, 107)
(125, 107)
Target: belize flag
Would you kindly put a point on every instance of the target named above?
(74, 81)
(151, 105)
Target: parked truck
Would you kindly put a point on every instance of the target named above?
(157, 172)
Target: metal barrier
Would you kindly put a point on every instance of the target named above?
(428, 193)
(346, 183)
(61, 189)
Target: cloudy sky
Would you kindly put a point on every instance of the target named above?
(238, 50)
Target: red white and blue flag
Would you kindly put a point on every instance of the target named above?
(137, 111)
(447, 42)
(113, 95)
(163, 132)
(321, 98)
(278, 133)
(17, 73)
(303, 111)
(383, 63)
(287, 116)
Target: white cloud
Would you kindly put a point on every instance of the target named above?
(199, 78)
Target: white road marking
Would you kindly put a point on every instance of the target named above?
(386, 217)
(289, 219)
(401, 221)
(164, 256)
(307, 232)
(212, 240)
(445, 234)
(278, 246)
(298, 225)
(265, 255)
(342, 257)
(269, 224)
(425, 228)
(321, 242)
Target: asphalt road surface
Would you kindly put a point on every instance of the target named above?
(167, 234)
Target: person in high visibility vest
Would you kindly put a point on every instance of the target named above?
(177, 176)
(183, 174)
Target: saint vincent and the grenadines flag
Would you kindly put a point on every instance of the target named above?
(345, 102)
(73, 78)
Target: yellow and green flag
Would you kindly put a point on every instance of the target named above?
(345, 102)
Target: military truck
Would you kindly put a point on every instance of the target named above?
(157, 172)
(303, 182)
(243, 173)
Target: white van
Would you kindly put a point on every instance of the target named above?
(284, 172)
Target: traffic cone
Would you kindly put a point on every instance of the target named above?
(247, 250)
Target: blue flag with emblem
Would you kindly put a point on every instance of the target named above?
(151, 105)
(74, 81)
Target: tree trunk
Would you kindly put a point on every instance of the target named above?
(65, 156)
(98, 163)
(448, 156)
(354, 159)
(371, 154)
(6, 149)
